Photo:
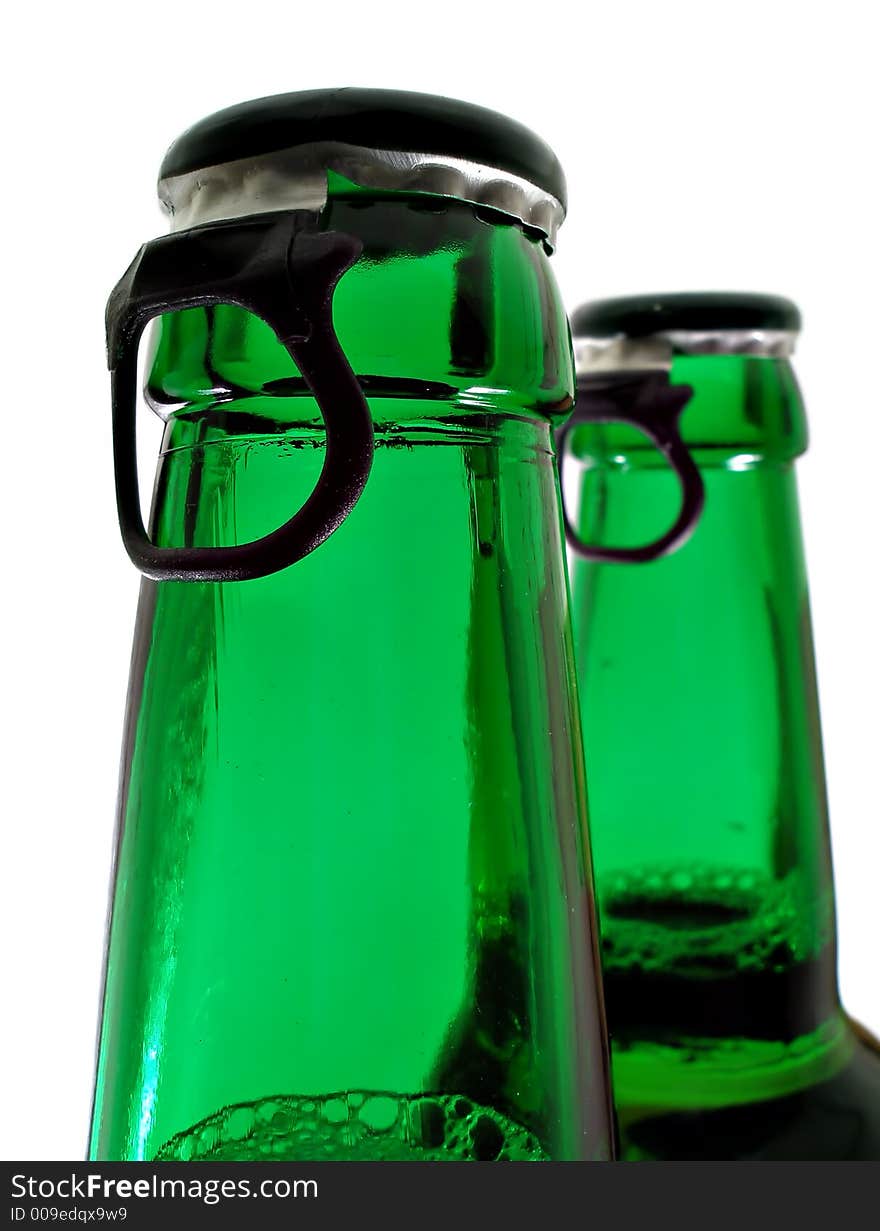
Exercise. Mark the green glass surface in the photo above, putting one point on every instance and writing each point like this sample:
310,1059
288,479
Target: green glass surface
352,914
707,794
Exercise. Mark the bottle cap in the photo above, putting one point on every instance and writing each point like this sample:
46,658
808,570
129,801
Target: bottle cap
647,331
274,153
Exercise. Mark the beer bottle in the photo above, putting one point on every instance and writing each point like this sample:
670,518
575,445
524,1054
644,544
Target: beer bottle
704,760
352,914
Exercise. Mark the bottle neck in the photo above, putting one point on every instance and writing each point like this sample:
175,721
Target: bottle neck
354,794
451,321
450,310
701,725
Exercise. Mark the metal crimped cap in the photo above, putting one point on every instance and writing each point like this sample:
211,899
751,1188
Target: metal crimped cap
273,153
642,316
644,331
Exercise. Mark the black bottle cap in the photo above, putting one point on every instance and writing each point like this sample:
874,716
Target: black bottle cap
641,316
372,119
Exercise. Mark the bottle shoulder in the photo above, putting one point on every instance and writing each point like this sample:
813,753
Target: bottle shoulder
835,1120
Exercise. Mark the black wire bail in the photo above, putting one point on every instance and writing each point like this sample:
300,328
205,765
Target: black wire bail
648,401
283,269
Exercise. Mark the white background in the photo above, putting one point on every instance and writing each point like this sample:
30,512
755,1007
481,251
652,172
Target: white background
706,146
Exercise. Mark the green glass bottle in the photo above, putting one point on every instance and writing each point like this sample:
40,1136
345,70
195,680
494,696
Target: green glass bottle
703,752
351,884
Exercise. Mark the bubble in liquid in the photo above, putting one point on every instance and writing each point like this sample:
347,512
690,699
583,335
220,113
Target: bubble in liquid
280,1121
336,1111
266,1110
487,1139
378,1113
731,919
360,1125
239,1123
